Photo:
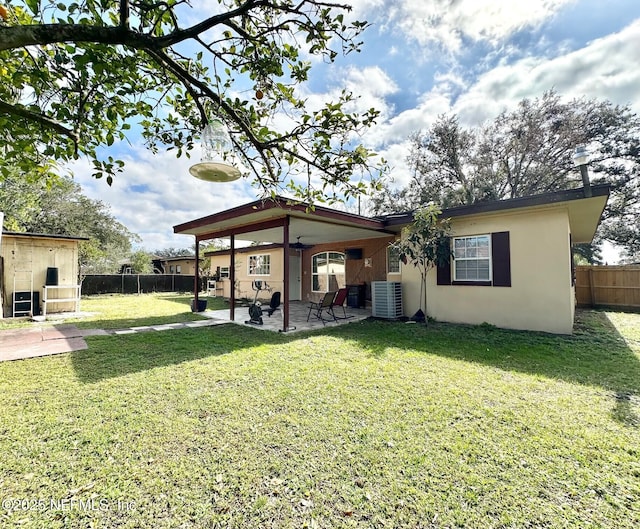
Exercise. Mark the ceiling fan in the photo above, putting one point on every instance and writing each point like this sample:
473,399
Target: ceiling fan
298,245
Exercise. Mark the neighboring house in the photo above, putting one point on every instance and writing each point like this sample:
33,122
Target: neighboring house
28,262
185,264
513,265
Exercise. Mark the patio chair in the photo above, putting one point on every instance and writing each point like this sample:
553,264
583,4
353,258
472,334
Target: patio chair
318,307
274,304
338,301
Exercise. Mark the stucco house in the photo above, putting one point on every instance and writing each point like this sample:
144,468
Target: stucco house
512,266
182,264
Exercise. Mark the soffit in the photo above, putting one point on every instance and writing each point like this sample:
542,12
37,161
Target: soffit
584,217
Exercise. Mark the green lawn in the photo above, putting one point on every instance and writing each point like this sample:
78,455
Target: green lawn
120,311
372,424
117,311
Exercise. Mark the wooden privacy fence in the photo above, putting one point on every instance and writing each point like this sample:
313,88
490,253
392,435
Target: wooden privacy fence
610,286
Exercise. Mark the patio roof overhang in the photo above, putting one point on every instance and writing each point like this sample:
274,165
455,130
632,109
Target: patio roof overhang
262,221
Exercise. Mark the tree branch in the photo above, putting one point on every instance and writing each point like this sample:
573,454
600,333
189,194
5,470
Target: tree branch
124,14
190,81
20,111
41,34
12,37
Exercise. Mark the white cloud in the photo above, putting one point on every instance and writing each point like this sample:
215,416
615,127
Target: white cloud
390,139
599,70
447,24
370,83
370,86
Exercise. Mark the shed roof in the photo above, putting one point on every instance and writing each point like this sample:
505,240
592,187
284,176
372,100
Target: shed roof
44,235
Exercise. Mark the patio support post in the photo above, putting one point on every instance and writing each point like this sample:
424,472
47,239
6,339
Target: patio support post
285,234
232,279
196,275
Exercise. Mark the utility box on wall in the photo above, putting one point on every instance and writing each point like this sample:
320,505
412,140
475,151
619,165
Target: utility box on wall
386,299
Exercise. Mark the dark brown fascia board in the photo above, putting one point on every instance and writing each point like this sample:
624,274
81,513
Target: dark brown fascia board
45,236
287,206
504,205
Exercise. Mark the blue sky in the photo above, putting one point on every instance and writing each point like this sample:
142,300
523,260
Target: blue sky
420,59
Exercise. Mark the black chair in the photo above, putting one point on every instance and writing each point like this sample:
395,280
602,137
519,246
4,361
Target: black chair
274,303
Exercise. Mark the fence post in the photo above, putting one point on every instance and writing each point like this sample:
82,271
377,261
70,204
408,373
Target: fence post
592,292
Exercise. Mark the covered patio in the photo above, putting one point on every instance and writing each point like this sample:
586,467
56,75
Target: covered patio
283,223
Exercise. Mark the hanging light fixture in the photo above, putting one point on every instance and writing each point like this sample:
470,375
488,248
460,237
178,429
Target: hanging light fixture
218,161
580,160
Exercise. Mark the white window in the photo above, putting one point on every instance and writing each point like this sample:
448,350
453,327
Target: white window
171,269
178,269
327,271
393,260
259,265
224,271
472,258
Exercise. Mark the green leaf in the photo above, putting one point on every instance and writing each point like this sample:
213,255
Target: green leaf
33,5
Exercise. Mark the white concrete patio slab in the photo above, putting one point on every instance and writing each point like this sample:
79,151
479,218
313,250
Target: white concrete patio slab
298,314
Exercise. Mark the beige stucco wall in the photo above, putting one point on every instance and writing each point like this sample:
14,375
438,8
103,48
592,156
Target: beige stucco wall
541,296
38,254
244,280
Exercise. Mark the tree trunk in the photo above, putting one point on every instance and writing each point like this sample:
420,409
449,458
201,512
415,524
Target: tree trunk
424,289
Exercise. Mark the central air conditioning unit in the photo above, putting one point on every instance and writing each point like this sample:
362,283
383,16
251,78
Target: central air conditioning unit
386,297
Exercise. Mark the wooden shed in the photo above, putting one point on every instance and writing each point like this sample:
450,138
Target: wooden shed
39,274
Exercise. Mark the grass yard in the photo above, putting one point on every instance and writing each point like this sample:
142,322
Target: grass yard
372,424
119,311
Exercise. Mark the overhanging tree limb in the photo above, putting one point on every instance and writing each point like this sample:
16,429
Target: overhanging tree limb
22,112
110,65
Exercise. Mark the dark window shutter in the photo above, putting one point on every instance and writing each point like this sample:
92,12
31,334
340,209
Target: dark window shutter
444,271
501,259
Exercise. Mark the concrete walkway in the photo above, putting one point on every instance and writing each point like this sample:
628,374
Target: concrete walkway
50,340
